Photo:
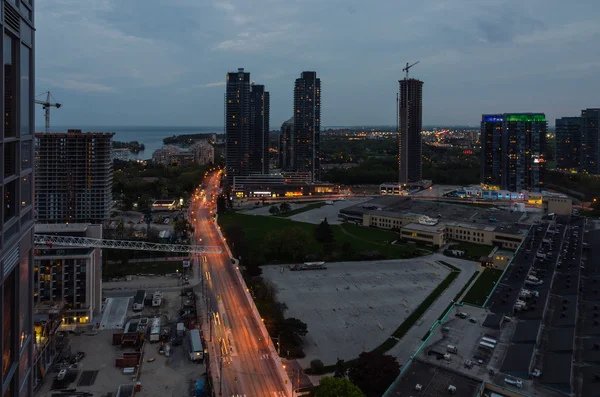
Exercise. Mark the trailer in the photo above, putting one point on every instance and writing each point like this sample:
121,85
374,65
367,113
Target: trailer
138,300
155,330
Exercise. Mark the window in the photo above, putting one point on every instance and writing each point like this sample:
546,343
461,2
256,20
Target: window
10,200
25,94
26,192
10,86
26,155
23,365
8,323
10,159
24,299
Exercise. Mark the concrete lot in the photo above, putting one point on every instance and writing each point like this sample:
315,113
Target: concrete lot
330,212
354,306
437,190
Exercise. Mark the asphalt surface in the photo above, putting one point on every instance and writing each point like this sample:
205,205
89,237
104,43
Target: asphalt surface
247,367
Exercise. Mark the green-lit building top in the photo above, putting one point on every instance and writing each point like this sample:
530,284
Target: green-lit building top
525,117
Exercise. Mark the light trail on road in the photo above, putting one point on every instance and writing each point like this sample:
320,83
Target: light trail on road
248,370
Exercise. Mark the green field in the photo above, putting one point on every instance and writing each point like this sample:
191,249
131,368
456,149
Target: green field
351,242
482,287
302,209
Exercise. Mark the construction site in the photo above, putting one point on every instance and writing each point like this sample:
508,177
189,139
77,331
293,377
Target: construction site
146,343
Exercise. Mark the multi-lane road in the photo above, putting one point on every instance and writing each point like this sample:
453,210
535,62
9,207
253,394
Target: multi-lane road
248,368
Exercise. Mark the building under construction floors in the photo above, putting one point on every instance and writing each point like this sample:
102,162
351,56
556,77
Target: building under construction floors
73,177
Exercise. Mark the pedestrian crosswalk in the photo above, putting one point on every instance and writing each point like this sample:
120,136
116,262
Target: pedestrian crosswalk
265,356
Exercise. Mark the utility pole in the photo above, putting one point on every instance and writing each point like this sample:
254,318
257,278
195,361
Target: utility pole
221,374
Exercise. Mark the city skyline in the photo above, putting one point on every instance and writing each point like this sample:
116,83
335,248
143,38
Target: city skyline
485,48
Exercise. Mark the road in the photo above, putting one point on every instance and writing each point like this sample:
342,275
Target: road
248,367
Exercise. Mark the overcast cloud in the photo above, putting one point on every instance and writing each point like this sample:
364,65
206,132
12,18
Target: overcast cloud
163,62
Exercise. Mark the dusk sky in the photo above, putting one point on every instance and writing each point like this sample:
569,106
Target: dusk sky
163,62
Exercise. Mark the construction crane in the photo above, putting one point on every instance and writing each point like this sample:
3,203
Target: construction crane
47,105
48,241
408,67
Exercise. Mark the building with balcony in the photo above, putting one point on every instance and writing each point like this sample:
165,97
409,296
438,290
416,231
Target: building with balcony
69,276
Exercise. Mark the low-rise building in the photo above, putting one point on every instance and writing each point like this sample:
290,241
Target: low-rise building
436,223
69,276
285,184
203,152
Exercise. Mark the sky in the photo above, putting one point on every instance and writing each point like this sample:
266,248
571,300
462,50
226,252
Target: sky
164,62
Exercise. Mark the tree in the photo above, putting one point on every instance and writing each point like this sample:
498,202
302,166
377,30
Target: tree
274,210
323,232
181,227
317,367
284,207
374,372
340,369
336,387
221,205
293,326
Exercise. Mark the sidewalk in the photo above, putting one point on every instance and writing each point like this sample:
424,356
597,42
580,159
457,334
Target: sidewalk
412,340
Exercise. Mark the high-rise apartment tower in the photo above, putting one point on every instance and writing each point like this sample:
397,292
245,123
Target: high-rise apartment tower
246,126
259,130
513,155
286,138
591,141
491,149
410,121
307,125
74,174
16,213
568,151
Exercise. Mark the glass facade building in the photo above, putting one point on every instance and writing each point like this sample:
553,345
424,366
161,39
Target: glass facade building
513,147
16,186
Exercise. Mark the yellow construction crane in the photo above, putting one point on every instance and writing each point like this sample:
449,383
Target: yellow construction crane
47,105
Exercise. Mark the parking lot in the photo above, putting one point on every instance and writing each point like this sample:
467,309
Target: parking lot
354,306
327,211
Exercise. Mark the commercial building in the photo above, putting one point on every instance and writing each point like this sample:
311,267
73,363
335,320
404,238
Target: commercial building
70,276
513,156
73,177
285,184
591,141
410,119
246,126
16,186
568,149
286,139
306,152
259,129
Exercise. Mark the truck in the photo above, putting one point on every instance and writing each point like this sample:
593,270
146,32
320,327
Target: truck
138,300
157,299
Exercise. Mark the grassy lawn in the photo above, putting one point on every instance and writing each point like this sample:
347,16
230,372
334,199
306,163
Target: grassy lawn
356,240
482,287
301,210
473,251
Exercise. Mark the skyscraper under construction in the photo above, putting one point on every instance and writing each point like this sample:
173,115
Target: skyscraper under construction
410,121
